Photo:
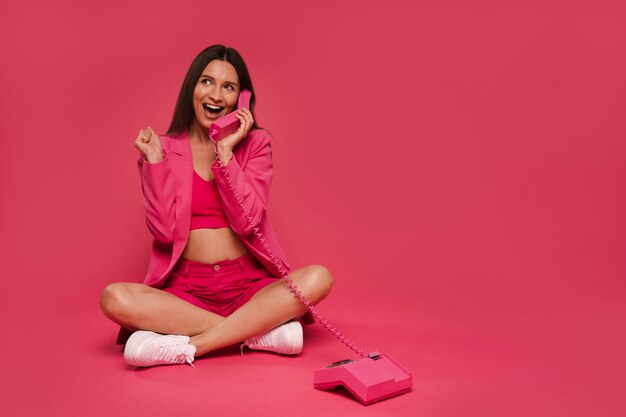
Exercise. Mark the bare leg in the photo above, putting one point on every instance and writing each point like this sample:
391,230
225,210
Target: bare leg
139,306
270,307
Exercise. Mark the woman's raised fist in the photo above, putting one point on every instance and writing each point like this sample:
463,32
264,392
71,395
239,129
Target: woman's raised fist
149,144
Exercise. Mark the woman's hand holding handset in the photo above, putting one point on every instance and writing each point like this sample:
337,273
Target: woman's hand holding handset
149,144
225,146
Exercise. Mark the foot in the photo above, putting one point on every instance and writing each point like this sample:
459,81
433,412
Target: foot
145,348
285,339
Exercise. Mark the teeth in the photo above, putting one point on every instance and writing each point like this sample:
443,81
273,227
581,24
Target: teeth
213,107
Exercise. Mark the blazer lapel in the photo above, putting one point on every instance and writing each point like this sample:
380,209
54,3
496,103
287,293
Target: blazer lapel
181,164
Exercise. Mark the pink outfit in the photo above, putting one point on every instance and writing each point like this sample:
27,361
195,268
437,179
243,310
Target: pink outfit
167,189
221,287
206,205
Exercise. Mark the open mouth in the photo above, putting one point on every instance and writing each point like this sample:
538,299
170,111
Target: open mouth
209,108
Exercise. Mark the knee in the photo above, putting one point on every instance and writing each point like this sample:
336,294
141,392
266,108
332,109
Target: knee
115,301
321,281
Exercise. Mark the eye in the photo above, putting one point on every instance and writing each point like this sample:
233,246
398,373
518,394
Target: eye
205,81
230,86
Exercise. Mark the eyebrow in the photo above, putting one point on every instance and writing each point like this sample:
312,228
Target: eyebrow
211,78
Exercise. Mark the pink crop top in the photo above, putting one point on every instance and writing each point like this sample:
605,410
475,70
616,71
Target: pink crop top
206,205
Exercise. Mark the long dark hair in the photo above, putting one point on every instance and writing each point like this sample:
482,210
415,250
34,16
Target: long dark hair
183,112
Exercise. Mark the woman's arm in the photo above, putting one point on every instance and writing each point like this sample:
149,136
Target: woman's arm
245,193
157,185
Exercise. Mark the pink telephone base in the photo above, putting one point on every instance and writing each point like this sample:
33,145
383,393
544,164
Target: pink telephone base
372,378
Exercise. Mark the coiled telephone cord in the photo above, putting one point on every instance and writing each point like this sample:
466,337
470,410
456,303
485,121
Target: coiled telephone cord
292,286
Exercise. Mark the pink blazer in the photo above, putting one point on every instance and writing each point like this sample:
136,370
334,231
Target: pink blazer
244,187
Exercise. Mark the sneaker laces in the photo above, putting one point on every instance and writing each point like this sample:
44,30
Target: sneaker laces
259,342
271,339
172,350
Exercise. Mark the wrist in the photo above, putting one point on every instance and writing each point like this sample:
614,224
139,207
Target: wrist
225,156
222,148
154,157
224,153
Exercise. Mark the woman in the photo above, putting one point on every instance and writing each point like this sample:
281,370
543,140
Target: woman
213,278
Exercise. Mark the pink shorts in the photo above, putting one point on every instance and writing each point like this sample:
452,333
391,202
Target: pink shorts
220,288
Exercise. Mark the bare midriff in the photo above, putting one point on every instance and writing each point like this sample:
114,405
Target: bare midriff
213,245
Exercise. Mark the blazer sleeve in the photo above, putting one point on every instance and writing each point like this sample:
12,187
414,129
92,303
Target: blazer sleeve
245,192
159,198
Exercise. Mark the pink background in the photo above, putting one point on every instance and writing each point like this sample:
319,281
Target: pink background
458,166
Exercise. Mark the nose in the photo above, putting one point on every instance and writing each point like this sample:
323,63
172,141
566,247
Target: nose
215,94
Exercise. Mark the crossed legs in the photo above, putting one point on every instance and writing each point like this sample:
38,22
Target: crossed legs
138,306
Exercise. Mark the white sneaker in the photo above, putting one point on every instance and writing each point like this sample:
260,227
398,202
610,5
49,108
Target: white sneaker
285,339
145,348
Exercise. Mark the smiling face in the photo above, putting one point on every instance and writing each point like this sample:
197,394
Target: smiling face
216,92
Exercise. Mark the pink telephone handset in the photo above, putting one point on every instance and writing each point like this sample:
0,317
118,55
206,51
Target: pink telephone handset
229,124
371,378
